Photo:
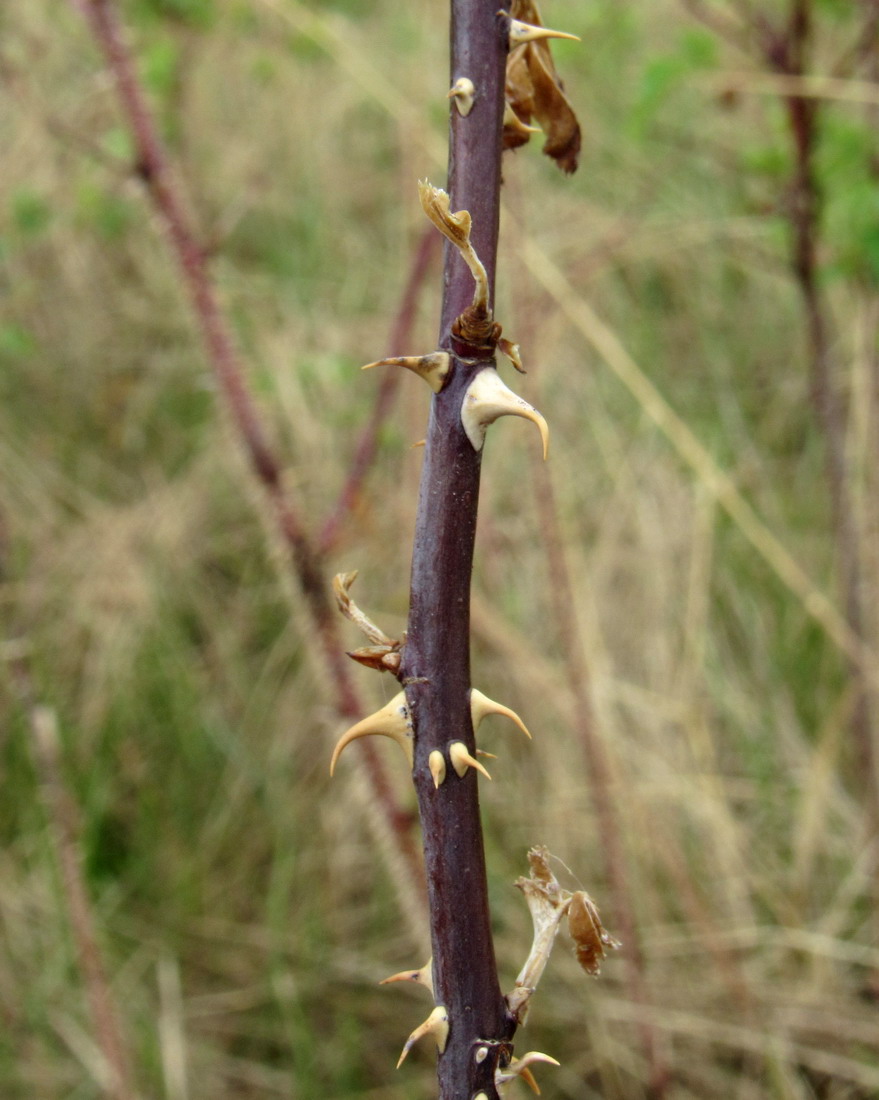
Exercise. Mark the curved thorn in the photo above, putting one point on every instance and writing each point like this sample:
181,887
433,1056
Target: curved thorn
463,92
518,1067
433,368
437,764
437,1025
481,706
391,721
487,399
513,122
486,755
424,976
528,32
462,760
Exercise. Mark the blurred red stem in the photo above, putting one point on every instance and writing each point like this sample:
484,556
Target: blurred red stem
367,446
154,169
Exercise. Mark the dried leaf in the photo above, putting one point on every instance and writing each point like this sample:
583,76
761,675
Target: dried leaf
591,940
534,91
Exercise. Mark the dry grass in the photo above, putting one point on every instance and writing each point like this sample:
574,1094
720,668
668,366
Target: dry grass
244,911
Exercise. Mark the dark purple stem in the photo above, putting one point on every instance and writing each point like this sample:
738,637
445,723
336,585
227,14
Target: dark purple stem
436,658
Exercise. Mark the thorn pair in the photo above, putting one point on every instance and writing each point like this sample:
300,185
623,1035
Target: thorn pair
480,707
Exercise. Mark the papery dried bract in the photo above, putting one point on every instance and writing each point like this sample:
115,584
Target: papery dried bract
591,940
534,91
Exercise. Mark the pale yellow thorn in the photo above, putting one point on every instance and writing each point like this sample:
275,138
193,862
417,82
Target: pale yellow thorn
391,721
512,120
527,32
463,92
487,399
462,760
486,755
424,976
481,706
437,764
437,1025
518,1067
433,368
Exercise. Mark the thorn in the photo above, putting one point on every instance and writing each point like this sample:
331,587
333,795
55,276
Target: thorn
528,32
424,976
437,1025
513,122
481,706
518,1067
530,1080
420,443
512,352
488,398
463,92
437,764
486,755
391,721
433,368
462,760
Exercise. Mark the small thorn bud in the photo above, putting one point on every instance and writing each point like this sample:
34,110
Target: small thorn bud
391,721
437,1025
463,92
424,976
433,368
512,352
481,706
487,399
481,1054
437,764
462,760
529,32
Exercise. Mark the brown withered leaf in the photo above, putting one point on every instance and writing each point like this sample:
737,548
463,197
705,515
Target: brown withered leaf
534,91
591,941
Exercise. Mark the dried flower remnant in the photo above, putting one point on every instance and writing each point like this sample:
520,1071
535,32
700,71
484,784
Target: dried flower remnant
549,903
534,91
591,941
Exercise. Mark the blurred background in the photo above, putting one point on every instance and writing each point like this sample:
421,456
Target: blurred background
680,604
